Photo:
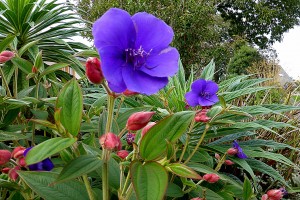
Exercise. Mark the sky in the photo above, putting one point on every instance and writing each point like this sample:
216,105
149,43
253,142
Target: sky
289,52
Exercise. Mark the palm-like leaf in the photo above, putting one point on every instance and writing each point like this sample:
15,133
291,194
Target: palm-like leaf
49,26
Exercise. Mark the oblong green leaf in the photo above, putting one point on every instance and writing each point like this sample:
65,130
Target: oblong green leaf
182,170
70,101
53,68
4,43
150,180
47,149
78,167
154,143
22,64
40,182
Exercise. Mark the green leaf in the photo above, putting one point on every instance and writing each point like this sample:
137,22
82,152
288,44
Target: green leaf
174,190
78,167
22,64
208,71
4,43
9,136
40,182
182,170
150,180
87,53
247,189
24,48
53,68
70,101
154,143
47,149
113,173
38,63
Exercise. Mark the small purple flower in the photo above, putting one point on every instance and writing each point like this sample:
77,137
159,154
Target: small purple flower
45,165
134,51
202,93
130,138
240,152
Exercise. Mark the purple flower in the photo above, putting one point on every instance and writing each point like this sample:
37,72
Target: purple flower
45,165
135,51
240,152
202,93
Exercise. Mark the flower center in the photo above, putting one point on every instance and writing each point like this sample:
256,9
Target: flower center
205,94
136,57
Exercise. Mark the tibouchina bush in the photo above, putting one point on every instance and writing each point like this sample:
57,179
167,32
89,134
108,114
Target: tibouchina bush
141,130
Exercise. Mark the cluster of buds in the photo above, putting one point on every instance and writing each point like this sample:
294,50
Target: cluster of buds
274,194
201,115
19,154
211,178
6,56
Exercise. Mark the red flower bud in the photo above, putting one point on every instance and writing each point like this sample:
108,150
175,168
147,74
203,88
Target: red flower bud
201,116
21,162
94,71
122,154
147,127
5,156
275,194
217,156
138,120
264,197
228,162
211,178
110,141
6,56
34,70
5,170
13,173
18,152
232,151
129,93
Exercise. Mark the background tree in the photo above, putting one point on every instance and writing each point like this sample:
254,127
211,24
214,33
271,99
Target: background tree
262,22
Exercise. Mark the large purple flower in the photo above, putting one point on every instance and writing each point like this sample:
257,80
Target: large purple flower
202,93
135,51
45,165
240,152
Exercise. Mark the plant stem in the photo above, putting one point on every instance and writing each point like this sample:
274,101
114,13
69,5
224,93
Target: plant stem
187,139
198,144
5,83
88,187
15,89
106,153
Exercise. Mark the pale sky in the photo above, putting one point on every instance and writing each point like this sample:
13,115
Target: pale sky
289,52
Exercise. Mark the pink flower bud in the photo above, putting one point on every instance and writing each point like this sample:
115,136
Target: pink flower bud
110,141
197,198
122,154
147,127
5,170
18,152
264,197
138,120
6,56
228,162
232,151
5,156
217,156
21,162
129,93
13,173
201,116
275,194
94,71
34,70
211,178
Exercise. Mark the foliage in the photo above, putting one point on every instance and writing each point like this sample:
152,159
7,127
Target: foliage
261,22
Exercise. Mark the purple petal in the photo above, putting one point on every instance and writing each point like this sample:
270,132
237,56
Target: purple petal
112,62
47,164
241,155
235,144
198,86
214,98
192,98
205,102
115,27
152,33
211,87
163,64
26,151
138,81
